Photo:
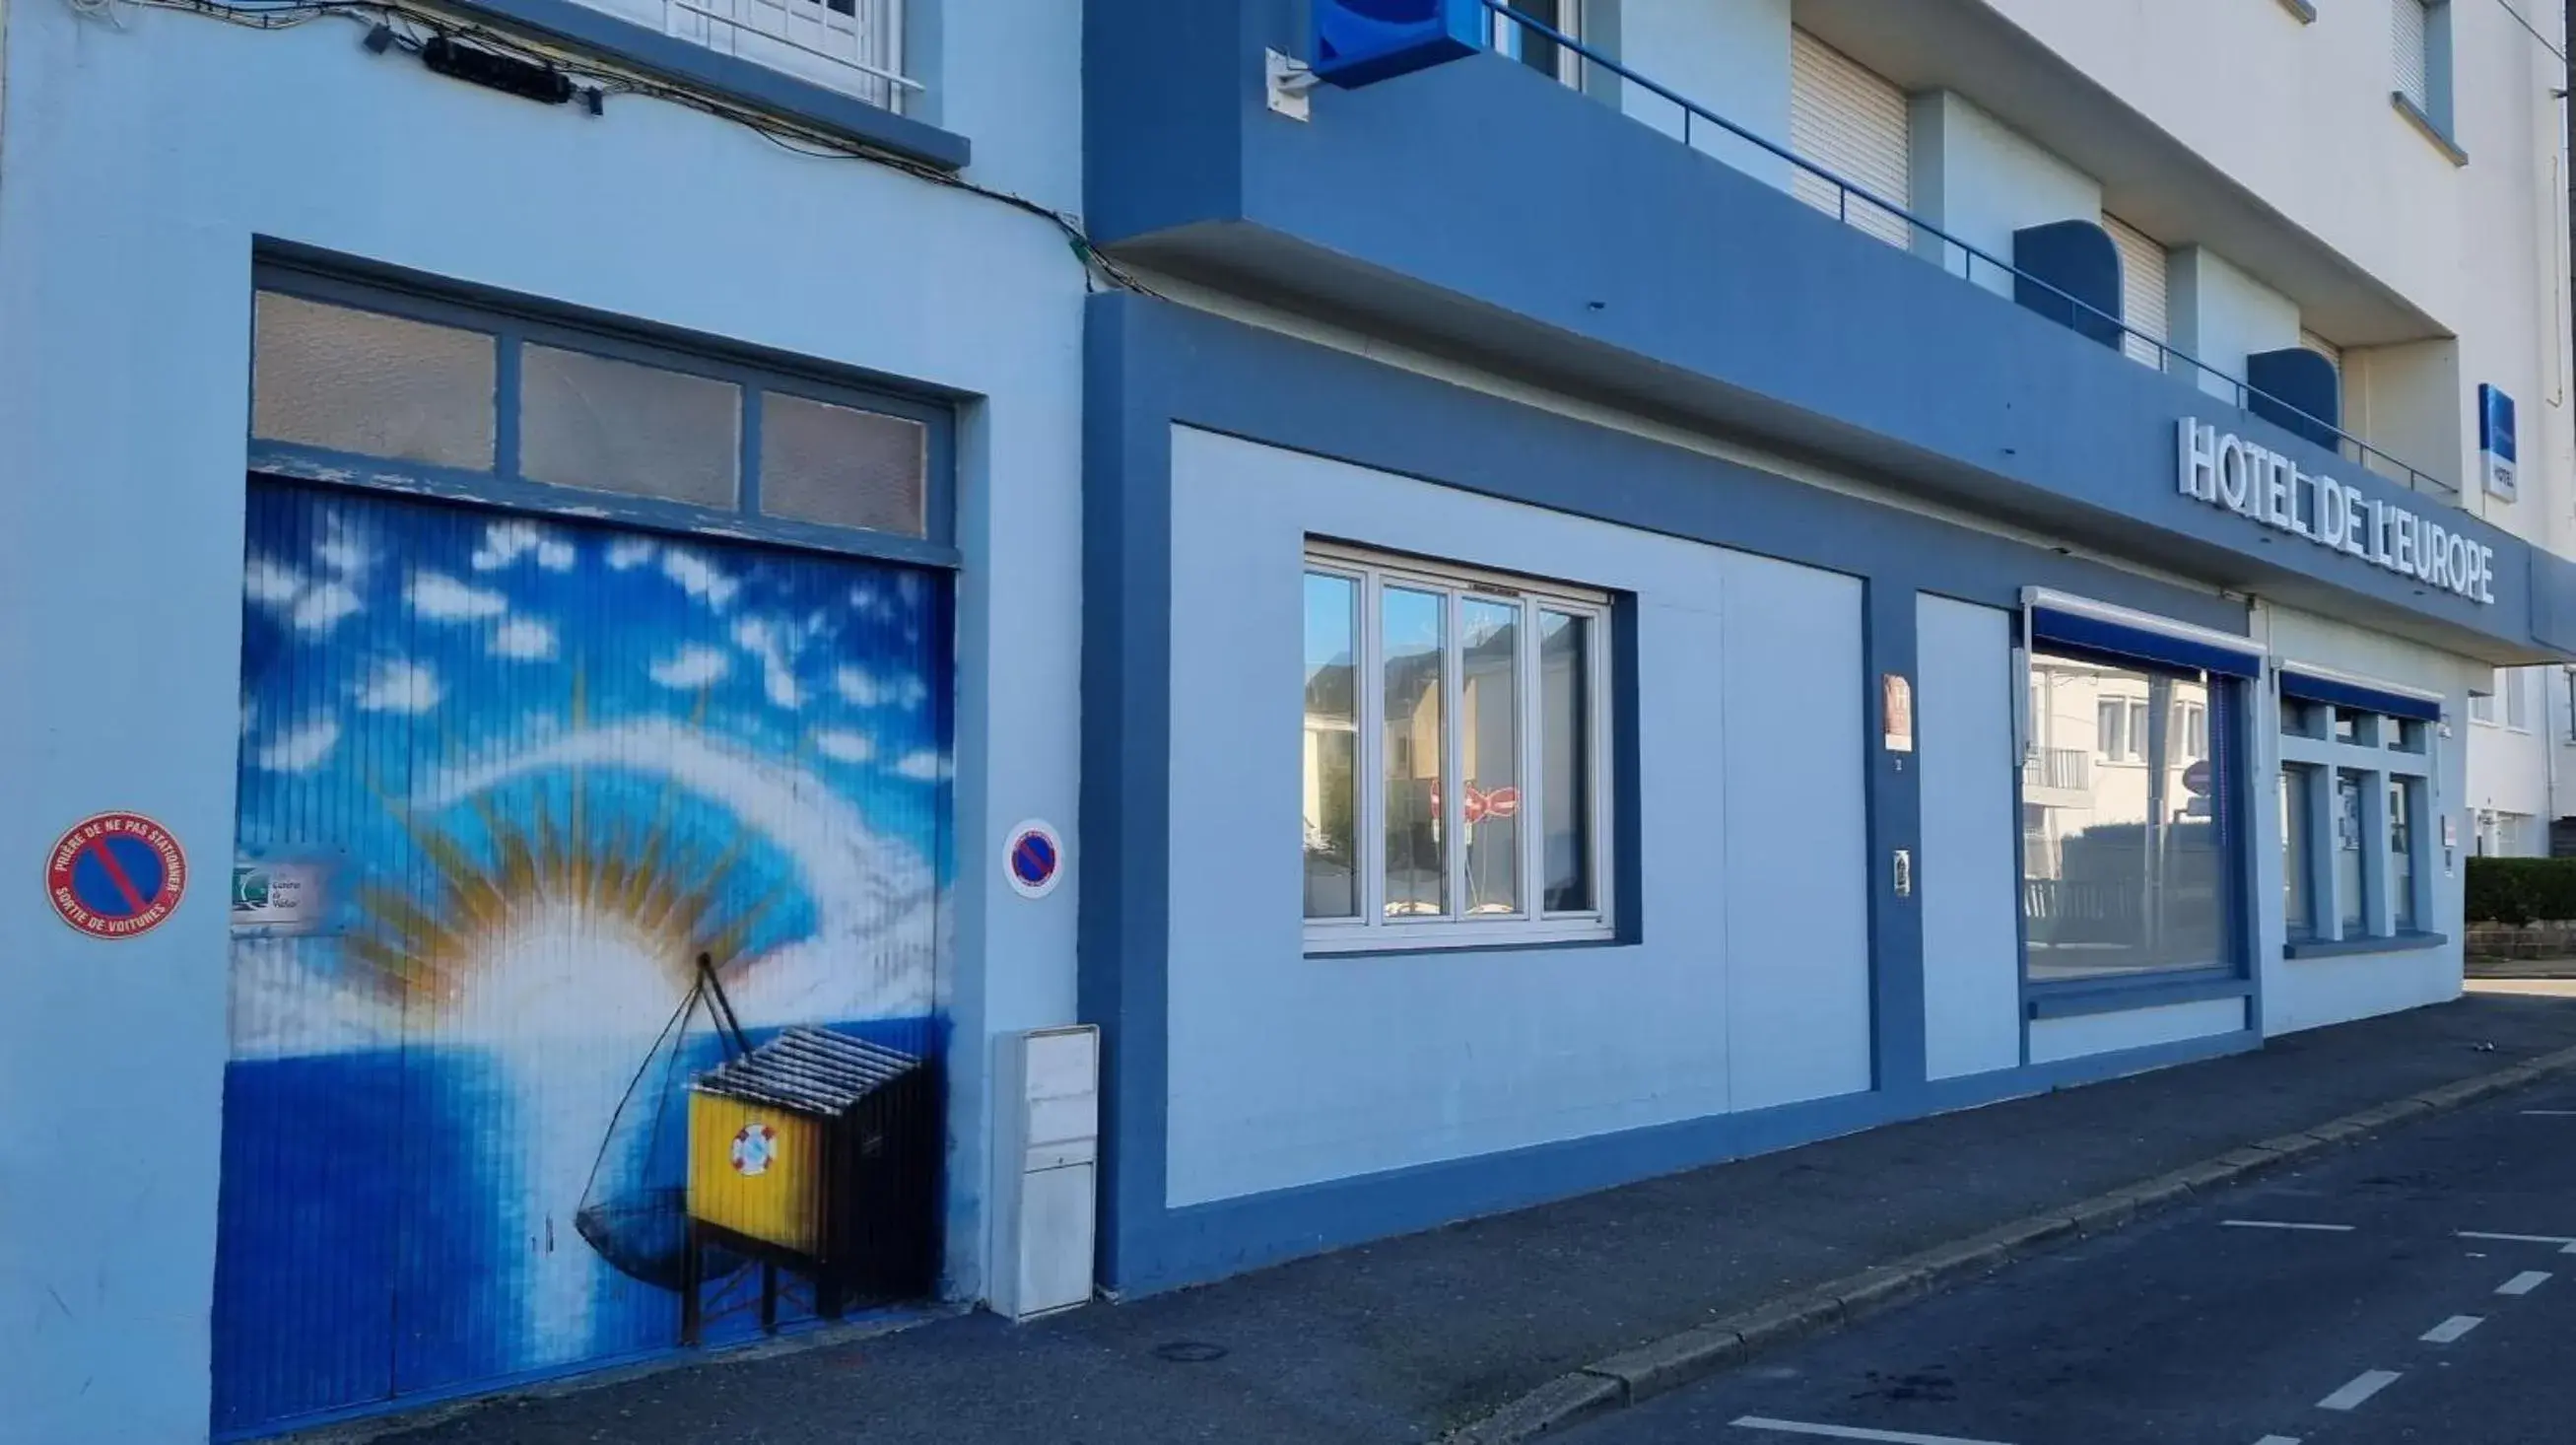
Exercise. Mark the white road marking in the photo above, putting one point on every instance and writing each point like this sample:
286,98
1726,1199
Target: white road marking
1852,1432
2451,1329
2361,1387
2551,1113
2278,1440
2525,1282
2285,1224
2516,1238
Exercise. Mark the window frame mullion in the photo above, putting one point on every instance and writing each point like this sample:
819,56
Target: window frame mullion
1453,760
1371,852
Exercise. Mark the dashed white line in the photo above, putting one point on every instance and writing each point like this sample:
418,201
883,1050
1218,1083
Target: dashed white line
2359,1388
2278,1440
2563,1239
2451,1329
2285,1224
1851,1432
2551,1113
2525,1282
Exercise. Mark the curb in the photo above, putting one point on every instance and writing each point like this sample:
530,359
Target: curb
1646,1370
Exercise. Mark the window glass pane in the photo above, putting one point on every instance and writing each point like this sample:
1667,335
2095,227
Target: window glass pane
2403,735
2348,853
1413,628
1565,745
2132,879
1332,747
2517,698
2401,854
2347,725
2296,717
1489,637
379,386
616,426
2111,721
2296,784
842,466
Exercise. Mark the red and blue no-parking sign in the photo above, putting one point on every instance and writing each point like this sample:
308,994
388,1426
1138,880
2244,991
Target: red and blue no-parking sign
1033,859
116,875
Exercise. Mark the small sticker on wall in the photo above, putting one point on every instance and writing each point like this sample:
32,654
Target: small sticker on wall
1033,859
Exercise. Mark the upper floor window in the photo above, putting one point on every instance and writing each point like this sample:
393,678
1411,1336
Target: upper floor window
1541,52
2143,297
2420,49
852,46
1852,122
1455,729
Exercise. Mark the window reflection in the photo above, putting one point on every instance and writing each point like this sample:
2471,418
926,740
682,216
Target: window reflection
2121,865
1490,705
1332,747
1414,636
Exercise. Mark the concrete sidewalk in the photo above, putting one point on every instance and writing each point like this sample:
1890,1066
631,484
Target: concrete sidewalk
1407,1339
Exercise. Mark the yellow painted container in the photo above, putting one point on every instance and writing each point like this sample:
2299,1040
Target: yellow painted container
757,1170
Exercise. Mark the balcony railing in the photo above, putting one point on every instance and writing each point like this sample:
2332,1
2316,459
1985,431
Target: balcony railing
2067,768
1860,207
852,46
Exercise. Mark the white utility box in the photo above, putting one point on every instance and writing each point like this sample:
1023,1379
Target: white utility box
1046,1168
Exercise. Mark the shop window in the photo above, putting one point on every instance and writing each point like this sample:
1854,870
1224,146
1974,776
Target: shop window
1454,741
2354,800
2135,878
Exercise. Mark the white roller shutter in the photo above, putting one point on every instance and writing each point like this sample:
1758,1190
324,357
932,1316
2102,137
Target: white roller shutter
2322,347
1852,122
2409,29
2142,288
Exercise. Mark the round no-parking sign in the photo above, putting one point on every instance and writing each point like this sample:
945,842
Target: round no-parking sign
1033,859
116,875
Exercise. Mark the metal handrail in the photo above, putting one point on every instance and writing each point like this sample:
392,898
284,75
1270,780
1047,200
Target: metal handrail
2350,447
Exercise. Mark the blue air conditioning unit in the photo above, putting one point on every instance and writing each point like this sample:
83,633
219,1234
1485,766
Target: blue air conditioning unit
1361,42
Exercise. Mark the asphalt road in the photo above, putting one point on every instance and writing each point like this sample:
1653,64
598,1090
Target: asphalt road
2352,1303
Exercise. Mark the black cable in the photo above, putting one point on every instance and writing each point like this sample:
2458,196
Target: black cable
2533,31
285,14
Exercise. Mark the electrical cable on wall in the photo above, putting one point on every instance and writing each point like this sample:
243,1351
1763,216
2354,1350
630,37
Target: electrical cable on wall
395,26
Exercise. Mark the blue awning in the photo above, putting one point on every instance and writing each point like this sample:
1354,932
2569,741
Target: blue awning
2309,687
2120,639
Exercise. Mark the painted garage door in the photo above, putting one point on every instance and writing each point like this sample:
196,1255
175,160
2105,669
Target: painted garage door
502,780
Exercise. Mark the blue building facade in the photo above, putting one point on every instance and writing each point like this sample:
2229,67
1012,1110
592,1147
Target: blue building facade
1561,636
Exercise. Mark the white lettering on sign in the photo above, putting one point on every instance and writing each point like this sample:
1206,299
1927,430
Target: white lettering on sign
2256,482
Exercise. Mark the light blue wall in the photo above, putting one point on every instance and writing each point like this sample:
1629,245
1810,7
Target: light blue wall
1751,988
1980,180
1969,874
142,166
1732,57
2219,314
2052,1040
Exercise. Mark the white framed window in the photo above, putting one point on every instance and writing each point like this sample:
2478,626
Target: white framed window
2120,729
1456,741
2355,794
852,46
2482,706
1541,52
2517,699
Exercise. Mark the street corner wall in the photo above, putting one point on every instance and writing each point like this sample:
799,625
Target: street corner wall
2302,993
1750,984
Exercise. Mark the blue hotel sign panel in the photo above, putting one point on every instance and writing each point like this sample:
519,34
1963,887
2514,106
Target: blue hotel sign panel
2254,481
1359,42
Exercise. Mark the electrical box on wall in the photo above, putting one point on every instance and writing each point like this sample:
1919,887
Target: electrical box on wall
1046,1166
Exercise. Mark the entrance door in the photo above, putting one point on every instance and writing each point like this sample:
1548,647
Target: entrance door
502,781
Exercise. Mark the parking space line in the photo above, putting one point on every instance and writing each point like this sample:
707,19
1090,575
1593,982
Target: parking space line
2451,1329
2285,1224
2560,1239
2525,1282
2359,1388
1851,1432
